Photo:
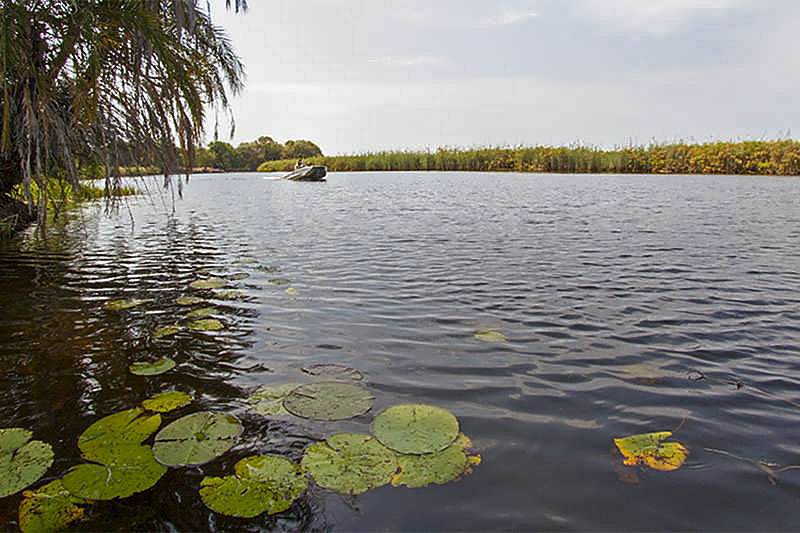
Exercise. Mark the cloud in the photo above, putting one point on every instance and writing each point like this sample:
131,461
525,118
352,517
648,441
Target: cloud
510,17
413,61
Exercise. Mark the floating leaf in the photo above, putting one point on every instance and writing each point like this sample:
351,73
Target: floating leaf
123,305
132,426
22,460
490,335
262,484
435,468
280,281
350,463
291,291
268,269
268,400
165,402
166,331
229,294
206,324
245,261
328,401
144,368
196,439
414,428
124,470
189,300
49,508
334,371
210,283
652,450
203,312
239,276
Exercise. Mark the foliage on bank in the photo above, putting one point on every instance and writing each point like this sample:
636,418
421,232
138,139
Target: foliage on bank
780,158
248,155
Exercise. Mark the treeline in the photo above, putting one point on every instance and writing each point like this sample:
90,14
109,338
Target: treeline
750,157
249,155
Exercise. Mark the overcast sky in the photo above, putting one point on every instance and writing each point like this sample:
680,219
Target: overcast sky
358,75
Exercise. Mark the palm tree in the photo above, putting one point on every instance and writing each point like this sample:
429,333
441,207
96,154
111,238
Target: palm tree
107,83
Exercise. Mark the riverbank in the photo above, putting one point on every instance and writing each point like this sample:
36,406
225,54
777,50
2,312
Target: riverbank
778,158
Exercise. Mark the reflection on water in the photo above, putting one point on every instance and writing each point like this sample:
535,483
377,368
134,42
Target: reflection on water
630,304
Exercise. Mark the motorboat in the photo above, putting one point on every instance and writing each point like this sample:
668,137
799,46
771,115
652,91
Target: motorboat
308,173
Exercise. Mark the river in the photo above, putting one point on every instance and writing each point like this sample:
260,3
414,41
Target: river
630,304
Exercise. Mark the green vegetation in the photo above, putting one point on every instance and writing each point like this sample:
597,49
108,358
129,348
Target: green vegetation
249,155
780,158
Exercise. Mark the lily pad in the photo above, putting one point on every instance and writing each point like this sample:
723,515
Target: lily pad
124,305
189,300
196,439
49,508
165,402
203,312
280,281
436,468
124,470
268,269
334,372
415,428
490,335
229,294
206,324
349,463
291,291
210,283
268,400
651,449
328,401
144,368
130,427
166,331
22,460
262,484
238,276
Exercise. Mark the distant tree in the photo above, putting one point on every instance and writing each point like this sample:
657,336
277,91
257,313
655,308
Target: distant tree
225,156
250,155
300,149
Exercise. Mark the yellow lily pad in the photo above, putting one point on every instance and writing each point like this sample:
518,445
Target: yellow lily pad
490,335
651,449
210,283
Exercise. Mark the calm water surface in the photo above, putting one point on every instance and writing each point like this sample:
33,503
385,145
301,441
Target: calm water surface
616,293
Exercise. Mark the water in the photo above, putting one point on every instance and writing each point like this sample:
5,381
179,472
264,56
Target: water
616,293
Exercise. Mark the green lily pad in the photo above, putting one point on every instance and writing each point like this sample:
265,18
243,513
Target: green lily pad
210,283
124,305
165,402
124,470
166,331
349,463
415,428
328,401
334,372
280,281
291,291
229,294
262,484
130,427
22,460
436,468
268,400
204,312
189,300
245,261
196,439
49,508
144,368
653,450
490,335
268,269
206,324
238,276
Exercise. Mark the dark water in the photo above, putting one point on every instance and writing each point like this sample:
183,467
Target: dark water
614,292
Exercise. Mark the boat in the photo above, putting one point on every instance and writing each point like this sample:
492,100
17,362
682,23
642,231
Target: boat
309,173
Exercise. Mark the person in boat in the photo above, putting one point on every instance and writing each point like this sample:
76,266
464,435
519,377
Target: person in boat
299,164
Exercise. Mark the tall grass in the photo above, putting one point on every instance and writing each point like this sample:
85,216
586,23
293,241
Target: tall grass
781,158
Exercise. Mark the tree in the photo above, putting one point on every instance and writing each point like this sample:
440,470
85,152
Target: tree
300,149
105,82
225,156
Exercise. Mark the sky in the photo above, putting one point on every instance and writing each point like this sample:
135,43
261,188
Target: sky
368,75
